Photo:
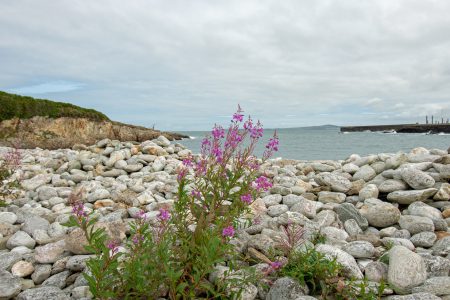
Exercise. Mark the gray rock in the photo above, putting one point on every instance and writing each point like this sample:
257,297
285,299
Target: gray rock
408,197
416,224
8,259
392,241
286,288
437,286
443,194
418,296
440,224
291,200
20,238
423,239
306,207
365,173
276,210
417,179
376,271
436,265
392,185
352,228
359,249
98,194
381,214
369,191
336,182
81,292
347,261
77,262
58,280
8,217
334,234
33,222
41,272
424,210
331,197
442,247
49,253
46,192
347,211
406,270
10,286
43,293
262,243
35,182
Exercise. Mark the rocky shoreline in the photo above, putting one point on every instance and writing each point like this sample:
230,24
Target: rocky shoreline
384,217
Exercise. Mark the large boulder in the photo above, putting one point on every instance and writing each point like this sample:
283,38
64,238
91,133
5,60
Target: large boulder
406,270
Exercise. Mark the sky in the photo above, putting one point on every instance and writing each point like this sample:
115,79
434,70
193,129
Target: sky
185,65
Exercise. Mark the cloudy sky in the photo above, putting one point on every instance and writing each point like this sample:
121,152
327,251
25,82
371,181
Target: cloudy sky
184,65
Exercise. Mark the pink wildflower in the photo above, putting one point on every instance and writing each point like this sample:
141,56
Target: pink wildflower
218,132
113,246
262,183
164,214
228,231
247,198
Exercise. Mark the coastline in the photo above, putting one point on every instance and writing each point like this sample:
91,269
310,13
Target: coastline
364,206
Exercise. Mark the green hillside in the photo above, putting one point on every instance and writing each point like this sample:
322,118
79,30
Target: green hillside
16,106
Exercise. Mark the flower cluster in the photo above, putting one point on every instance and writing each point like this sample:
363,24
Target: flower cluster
262,183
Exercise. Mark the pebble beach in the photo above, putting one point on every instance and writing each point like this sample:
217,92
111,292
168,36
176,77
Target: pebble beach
384,217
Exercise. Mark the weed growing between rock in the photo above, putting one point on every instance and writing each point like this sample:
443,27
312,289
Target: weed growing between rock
175,255
10,182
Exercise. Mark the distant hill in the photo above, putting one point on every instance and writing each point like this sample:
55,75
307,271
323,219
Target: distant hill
22,107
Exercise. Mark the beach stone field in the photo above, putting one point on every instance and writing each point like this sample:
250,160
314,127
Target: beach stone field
384,217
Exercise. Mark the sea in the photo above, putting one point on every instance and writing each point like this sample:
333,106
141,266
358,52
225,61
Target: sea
328,143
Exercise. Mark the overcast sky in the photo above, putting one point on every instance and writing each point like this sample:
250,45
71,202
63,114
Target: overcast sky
185,65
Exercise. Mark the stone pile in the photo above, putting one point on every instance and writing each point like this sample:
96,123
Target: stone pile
384,217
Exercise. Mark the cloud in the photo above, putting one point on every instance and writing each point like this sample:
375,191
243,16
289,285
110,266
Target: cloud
47,88
180,64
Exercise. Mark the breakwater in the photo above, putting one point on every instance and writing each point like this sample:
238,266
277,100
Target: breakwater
401,128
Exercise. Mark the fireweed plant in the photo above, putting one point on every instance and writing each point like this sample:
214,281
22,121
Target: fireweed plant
9,164
174,255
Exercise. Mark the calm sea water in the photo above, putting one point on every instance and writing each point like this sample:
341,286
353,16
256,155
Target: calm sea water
328,143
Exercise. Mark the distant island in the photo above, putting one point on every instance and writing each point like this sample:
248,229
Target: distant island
52,125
